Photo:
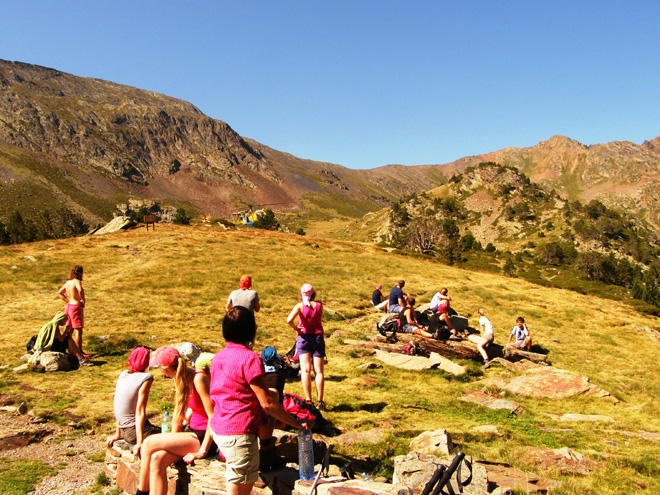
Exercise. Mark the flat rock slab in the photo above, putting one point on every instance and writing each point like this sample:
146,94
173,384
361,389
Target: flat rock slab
518,366
596,418
507,477
486,400
564,460
646,435
513,354
374,435
115,225
417,363
338,485
551,383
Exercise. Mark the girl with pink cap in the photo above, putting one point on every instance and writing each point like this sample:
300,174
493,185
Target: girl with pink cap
130,401
310,342
195,442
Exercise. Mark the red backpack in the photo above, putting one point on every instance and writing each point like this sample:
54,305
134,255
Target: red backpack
303,411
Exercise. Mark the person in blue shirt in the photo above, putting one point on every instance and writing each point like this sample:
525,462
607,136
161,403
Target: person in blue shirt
523,340
397,301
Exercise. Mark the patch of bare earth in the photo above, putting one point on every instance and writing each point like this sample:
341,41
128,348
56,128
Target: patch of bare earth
64,448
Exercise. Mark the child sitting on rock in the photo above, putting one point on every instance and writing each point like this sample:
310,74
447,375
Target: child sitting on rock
521,333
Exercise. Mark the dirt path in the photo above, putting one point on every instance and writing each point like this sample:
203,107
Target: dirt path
64,448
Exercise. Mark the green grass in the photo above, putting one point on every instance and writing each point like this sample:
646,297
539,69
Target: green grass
19,476
172,285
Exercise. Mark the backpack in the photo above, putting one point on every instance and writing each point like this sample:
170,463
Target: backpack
303,411
30,344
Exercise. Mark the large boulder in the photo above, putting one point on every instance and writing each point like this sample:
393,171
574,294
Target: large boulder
115,225
55,361
414,470
433,442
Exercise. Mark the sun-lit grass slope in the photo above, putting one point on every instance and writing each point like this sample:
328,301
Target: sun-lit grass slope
172,284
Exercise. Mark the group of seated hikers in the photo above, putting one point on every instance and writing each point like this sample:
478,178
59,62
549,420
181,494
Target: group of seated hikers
226,403
440,326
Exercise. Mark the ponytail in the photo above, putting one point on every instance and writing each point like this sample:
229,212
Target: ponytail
182,387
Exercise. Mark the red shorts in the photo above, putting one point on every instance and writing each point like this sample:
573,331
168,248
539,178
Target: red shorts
75,314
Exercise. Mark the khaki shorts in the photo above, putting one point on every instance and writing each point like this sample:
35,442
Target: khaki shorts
242,454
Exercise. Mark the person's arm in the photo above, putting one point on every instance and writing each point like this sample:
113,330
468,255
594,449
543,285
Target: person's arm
292,316
272,406
141,414
203,386
62,294
111,440
229,304
526,331
257,307
82,296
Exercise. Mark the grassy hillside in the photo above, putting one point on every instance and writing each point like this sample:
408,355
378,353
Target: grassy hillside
172,284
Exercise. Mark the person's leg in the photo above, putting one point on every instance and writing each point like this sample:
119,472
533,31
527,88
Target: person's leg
528,343
319,377
160,461
445,317
73,348
423,333
239,489
77,338
481,342
177,444
306,374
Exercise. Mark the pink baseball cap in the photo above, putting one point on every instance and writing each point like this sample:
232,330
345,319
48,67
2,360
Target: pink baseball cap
379,286
139,359
166,356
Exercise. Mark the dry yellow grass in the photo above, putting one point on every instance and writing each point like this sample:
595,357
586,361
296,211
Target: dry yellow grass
172,284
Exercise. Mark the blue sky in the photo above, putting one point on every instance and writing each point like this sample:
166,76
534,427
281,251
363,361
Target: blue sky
369,83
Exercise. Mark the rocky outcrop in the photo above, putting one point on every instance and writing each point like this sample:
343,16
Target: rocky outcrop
128,133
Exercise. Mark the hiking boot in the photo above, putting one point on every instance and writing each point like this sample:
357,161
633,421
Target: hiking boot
487,364
321,406
85,362
455,338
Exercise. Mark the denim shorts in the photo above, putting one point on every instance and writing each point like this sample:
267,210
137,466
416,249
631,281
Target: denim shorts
311,342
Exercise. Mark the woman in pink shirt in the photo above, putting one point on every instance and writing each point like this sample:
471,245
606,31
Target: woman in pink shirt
310,342
244,408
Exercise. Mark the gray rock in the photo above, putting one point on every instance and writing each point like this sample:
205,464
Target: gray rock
115,225
433,442
54,361
369,366
491,402
414,470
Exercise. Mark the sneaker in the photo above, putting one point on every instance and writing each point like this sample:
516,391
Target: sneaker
321,406
84,361
455,338
487,364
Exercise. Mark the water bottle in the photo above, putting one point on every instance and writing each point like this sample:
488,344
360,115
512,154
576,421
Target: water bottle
366,477
305,454
166,425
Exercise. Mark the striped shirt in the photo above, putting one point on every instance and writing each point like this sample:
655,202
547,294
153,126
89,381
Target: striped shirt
236,408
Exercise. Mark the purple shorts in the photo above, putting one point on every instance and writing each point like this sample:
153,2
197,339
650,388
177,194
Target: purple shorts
311,342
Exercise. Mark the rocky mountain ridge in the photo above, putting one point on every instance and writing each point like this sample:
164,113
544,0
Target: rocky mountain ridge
91,144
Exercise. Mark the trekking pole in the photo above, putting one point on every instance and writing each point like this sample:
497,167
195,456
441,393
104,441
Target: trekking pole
455,464
324,467
434,479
